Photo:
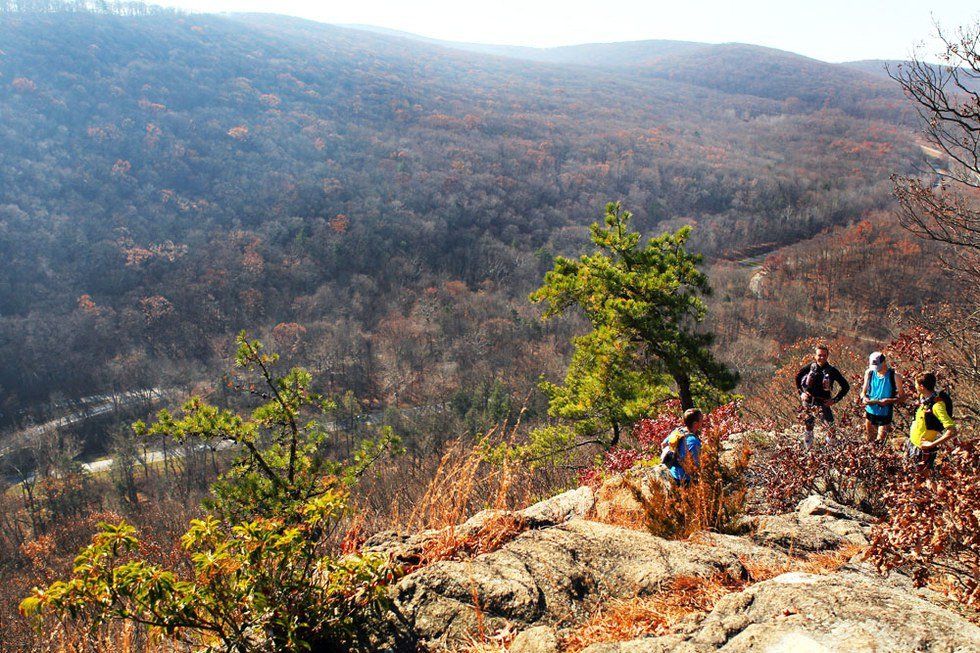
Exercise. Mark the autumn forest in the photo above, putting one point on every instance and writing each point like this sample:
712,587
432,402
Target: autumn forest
390,215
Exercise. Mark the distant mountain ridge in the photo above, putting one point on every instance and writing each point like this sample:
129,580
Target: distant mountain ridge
623,53
727,67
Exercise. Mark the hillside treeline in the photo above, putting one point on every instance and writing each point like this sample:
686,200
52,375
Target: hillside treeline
169,180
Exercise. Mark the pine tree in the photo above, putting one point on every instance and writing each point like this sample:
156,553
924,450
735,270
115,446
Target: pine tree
645,304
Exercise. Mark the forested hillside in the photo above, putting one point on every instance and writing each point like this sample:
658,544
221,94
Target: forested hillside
380,205
308,332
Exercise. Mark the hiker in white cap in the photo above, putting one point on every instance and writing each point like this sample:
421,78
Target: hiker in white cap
881,391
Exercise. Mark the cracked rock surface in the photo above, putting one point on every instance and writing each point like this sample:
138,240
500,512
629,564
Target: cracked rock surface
807,613
558,571
558,575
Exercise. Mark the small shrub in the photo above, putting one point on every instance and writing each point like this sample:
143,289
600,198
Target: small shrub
849,470
258,570
267,582
933,524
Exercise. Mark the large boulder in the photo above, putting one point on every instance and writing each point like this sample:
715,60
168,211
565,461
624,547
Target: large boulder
560,508
624,498
818,524
556,574
845,612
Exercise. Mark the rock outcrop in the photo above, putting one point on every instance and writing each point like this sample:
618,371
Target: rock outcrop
818,524
807,613
561,566
558,575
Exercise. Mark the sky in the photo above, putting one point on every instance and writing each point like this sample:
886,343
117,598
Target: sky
831,30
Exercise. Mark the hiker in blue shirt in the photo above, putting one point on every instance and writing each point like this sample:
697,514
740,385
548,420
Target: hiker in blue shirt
682,448
881,391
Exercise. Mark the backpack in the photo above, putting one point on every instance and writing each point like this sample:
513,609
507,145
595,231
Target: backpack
932,422
669,446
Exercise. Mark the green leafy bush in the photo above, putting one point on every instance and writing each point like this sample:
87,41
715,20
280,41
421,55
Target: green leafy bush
259,572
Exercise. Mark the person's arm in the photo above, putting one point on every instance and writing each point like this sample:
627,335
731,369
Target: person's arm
845,387
799,377
949,426
865,388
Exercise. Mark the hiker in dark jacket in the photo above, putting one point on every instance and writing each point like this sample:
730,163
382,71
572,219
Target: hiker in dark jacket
815,382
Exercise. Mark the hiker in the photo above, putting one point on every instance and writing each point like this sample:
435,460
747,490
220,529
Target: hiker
815,383
933,424
681,449
882,389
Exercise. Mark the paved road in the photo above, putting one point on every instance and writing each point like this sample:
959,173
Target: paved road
92,407
105,464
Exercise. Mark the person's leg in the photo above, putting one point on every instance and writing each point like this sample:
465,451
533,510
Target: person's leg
869,427
884,432
807,415
808,428
827,417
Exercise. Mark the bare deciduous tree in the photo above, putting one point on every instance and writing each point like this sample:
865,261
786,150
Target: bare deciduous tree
945,206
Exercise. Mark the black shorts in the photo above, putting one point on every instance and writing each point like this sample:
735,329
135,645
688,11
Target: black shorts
924,458
879,420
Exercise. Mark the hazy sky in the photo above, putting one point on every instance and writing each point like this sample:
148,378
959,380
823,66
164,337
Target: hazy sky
832,30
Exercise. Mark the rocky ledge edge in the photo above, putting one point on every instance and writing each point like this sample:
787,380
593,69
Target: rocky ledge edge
563,565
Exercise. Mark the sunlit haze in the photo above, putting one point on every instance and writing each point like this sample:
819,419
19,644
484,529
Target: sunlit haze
834,30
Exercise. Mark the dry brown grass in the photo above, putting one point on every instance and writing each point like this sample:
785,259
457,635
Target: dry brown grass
622,620
416,493
117,637
826,562
456,544
830,561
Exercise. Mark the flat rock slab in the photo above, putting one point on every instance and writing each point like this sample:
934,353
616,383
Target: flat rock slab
803,613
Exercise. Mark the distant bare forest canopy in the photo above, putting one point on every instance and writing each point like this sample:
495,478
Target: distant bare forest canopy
380,206
110,7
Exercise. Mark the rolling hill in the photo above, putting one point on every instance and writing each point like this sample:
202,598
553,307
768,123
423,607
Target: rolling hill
166,180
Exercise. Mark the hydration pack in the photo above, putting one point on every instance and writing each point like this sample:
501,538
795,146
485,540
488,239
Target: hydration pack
932,422
816,379
669,446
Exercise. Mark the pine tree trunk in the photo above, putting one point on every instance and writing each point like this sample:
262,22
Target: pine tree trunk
683,382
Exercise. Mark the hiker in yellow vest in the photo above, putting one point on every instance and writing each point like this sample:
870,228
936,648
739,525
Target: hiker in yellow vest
933,425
